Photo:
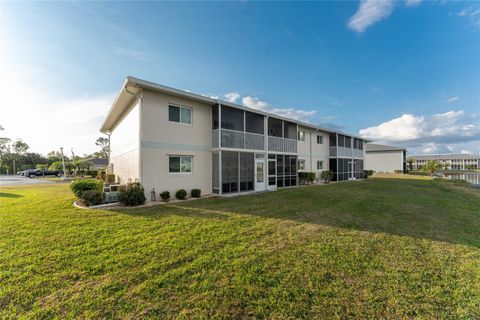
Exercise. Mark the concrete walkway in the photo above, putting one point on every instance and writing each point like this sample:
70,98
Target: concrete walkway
12,180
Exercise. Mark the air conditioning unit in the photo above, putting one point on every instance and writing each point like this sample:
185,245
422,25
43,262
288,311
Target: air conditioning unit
111,197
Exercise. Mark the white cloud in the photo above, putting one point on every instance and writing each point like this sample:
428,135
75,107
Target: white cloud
45,118
465,151
435,148
413,3
438,133
232,97
453,99
133,54
369,12
473,14
255,103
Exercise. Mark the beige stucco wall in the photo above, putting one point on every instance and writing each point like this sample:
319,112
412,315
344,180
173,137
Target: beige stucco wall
125,146
384,161
161,138
319,151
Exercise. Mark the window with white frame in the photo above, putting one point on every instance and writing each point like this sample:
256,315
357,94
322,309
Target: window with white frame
301,164
319,139
180,114
180,164
301,135
320,165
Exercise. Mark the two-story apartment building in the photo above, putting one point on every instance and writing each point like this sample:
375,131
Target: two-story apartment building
170,139
449,161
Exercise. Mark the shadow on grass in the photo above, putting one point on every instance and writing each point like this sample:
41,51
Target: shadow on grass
9,195
432,210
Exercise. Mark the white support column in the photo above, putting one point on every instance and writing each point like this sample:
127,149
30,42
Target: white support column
220,184
265,127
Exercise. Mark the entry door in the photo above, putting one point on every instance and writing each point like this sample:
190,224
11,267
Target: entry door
259,174
272,174
351,170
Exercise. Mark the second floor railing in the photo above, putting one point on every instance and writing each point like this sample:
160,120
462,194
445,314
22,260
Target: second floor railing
278,144
238,139
344,152
251,141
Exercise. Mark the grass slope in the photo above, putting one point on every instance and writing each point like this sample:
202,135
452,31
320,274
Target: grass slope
372,249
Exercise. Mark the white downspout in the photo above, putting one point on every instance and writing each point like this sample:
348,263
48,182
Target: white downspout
311,153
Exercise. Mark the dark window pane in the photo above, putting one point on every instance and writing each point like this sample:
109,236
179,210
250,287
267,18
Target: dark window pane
290,130
174,164
173,113
333,140
341,140
274,127
348,142
215,117
232,118
271,181
271,168
254,123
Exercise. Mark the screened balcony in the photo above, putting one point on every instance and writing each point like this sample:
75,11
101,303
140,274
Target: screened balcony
282,136
237,129
238,139
342,146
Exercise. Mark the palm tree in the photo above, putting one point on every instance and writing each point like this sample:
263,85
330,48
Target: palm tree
410,162
431,167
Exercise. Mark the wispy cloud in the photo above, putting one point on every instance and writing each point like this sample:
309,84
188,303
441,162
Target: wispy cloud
232,97
472,13
413,3
453,99
132,54
370,12
293,113
439,132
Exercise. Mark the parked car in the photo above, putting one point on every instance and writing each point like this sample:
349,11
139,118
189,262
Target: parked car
32,173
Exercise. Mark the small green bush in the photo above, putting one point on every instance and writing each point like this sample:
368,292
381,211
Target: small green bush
326,176
398,171
367,173
165,195
81,185
306,177
131,194
181,194
92,173
196,193
91,198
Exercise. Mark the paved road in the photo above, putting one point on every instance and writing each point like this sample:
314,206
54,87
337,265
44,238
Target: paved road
16,180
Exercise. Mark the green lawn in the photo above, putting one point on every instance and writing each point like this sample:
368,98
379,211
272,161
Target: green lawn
382,248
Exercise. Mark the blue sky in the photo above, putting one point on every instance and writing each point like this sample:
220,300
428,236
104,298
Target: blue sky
402,73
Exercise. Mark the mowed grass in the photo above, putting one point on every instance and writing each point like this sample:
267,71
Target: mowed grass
381,248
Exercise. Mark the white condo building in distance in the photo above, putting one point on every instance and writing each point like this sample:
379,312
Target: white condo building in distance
385,159
451,161
169,139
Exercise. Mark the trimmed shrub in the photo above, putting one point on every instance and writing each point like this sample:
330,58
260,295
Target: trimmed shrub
91,173
195,193
398,171
165,195
131,194
81,185
326,176
91,198
306,177
367,173
181,194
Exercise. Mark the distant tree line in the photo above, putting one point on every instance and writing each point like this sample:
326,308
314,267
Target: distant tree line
16,155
